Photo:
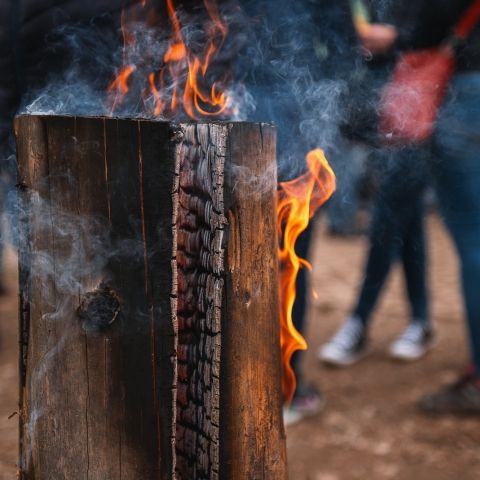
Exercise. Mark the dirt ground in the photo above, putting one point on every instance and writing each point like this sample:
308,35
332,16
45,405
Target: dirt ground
370,428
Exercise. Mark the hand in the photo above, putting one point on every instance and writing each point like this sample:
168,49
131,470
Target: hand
377,38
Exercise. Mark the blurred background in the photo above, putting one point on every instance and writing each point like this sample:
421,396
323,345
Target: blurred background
316,68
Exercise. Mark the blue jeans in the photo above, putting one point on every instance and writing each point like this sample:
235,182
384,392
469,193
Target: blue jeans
396,232
456,171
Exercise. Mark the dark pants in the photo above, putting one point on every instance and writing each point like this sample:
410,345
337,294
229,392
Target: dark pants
397,233
300,305
457,175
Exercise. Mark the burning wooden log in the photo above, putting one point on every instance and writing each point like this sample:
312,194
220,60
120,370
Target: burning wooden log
149,300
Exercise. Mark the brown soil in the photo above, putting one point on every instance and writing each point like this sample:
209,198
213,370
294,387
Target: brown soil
9,371
370,428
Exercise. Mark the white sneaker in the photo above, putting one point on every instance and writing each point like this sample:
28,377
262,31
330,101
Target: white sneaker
347,346
413,343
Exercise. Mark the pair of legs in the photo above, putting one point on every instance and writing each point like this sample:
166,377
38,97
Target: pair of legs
455,166
396,233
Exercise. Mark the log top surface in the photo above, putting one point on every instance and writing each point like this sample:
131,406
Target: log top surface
144,119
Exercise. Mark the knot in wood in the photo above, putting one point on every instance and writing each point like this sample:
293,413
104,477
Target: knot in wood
98,309
21,186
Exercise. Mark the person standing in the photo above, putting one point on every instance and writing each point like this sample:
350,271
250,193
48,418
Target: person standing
396,231
456,173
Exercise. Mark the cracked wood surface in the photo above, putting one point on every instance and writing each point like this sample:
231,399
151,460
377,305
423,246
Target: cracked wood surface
178,221
201,228
97,207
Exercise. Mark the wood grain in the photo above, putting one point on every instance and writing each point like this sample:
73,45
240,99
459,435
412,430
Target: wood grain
149,303
251,427
92,402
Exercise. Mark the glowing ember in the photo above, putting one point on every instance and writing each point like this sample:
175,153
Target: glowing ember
182,84
297,201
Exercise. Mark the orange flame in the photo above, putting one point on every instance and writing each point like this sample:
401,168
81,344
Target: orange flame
119,86
297,201
182,82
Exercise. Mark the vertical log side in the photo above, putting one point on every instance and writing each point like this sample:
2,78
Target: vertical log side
251,427
160,177
34,184
92,403
201,227
175,226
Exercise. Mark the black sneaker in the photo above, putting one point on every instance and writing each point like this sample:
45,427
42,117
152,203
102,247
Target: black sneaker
459,398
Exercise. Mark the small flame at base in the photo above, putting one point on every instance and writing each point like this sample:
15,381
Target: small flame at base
297,201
